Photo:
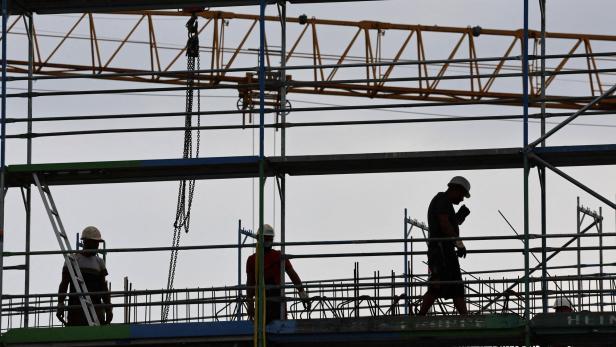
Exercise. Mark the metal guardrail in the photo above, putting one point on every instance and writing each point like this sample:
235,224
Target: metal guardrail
358,297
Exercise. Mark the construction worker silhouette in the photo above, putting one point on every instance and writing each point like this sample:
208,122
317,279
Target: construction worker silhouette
271,270
443,256
94,272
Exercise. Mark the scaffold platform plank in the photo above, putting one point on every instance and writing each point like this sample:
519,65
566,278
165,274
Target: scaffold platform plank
78,6
331,164
479,330
365,331
576,328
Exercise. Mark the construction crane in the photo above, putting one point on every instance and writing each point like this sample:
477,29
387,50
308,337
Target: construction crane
364,65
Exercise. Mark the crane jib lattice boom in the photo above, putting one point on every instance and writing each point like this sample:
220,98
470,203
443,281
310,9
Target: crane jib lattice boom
364,63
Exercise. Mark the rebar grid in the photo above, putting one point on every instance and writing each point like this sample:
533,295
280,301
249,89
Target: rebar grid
373,296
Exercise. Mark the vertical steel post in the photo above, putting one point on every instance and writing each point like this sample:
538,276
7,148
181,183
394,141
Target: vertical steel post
239,270
526,171
600,229
406,265
579,257
283,111
30,33
542,172
260,319
5,17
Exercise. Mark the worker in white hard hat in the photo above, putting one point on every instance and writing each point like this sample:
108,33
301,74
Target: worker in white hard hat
271,271
562,305
94,272
443,256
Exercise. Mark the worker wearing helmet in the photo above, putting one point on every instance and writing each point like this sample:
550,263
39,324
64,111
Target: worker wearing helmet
562,305
443,263
94,272
271,271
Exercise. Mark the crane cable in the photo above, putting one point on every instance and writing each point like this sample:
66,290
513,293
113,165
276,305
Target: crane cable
187,187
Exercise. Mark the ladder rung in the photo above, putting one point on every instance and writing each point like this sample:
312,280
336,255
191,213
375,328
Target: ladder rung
14,267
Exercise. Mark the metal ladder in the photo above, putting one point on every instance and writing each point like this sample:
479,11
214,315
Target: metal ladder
69,258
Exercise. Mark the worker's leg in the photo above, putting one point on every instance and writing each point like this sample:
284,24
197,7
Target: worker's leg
76,317
433,288
272,310
426,303
456,289
460,305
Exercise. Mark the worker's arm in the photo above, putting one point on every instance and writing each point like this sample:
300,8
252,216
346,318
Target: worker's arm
62,290
446,227
452,231
107,300
107,296
297,282
250,291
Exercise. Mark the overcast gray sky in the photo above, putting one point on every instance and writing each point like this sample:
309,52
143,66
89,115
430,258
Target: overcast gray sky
318,208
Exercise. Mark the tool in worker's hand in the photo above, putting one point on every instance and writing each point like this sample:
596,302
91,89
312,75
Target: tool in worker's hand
464,211
461,252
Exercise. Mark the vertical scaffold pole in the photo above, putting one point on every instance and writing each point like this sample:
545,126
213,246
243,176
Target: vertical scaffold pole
30,33
600,229
283,152
406,265
526,170
5,17
542,172
239,270
260,300
579,257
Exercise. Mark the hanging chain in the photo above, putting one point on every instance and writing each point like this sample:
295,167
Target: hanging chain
184,202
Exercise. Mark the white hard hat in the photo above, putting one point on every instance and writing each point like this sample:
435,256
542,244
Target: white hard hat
268,230
562,302
91,233
462,182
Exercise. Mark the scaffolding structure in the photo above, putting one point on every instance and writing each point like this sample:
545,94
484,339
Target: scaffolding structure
520,301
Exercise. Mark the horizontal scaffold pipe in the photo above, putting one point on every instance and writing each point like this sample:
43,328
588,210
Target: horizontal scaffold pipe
476,251
235,112
295,84
50,307
358,285
292,125
316,243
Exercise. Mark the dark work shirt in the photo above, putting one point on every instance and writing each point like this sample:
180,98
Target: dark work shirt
93,270
440,205
271,267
